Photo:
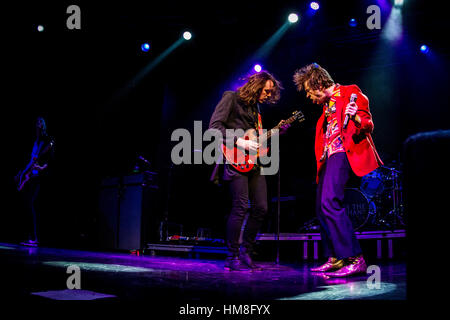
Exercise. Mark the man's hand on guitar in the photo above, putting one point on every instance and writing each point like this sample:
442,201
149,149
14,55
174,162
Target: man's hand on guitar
249,145
283,126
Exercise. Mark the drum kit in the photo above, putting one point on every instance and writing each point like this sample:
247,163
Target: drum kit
377,204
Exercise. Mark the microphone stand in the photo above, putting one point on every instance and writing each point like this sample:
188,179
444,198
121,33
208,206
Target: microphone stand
278,218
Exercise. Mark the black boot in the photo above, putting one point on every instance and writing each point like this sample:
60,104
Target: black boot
233,263
246,259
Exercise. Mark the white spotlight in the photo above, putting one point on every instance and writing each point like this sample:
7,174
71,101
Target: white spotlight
187,35
293,18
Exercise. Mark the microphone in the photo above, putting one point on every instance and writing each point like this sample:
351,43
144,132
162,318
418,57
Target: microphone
347,116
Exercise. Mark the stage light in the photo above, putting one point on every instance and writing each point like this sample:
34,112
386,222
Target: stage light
40,28
187,35
257,68
293,18
145,47
424,48
398,3
314,5
393,28
352,23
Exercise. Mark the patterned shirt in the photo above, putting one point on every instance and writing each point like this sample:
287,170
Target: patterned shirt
332,137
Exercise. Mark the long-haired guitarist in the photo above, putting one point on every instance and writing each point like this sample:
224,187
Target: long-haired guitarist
28,180
240,110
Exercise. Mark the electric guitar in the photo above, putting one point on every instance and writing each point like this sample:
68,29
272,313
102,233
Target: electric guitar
244,160
31,170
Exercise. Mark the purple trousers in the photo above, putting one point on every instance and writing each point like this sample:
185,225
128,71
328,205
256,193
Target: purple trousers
336,229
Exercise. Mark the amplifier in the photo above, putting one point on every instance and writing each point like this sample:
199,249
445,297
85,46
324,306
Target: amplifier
128,211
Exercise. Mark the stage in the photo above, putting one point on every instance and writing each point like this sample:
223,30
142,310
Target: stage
38,274
117,138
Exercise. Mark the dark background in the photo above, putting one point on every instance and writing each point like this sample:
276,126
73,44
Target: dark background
81,82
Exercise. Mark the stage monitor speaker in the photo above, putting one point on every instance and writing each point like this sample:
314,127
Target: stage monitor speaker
128,212
426,176
426,191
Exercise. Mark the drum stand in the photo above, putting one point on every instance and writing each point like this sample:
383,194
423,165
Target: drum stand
394,217
397,210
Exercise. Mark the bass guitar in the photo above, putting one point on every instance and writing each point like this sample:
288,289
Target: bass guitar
31,170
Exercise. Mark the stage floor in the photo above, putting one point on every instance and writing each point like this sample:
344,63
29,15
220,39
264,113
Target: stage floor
42,274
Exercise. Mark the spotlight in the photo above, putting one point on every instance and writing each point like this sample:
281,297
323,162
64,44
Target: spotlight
398,3
40,28
424,48
314,5
352,22
187,35
293,18
257,68
145,47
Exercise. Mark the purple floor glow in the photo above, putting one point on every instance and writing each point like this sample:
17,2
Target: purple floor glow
128,277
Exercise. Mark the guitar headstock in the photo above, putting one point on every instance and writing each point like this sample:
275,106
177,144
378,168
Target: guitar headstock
296,115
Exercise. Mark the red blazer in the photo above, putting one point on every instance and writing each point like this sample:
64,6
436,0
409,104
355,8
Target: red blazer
358,143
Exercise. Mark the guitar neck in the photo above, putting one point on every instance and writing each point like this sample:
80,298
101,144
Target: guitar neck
50,145
267,136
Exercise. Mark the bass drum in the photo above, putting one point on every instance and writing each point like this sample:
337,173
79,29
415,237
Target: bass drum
361,210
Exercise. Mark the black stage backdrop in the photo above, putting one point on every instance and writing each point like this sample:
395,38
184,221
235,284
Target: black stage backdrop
81,81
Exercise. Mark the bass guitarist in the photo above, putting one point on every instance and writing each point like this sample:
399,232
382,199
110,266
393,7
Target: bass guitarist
240,110
29,180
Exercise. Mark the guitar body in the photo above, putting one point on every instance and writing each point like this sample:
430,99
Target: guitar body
31,170
244,160
24,176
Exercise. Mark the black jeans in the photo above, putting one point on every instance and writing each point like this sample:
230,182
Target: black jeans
30,196
244,187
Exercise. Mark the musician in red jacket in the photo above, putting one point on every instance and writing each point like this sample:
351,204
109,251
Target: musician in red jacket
343,147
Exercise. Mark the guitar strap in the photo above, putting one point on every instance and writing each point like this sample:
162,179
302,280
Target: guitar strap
258,122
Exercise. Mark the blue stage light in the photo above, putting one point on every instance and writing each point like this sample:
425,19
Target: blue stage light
257,68
424,48
314,5
40,28
145,47
352,23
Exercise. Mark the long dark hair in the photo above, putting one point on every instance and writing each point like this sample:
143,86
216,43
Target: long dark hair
43,131
252,89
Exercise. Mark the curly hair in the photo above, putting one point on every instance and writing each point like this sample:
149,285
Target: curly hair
251,90
316,76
